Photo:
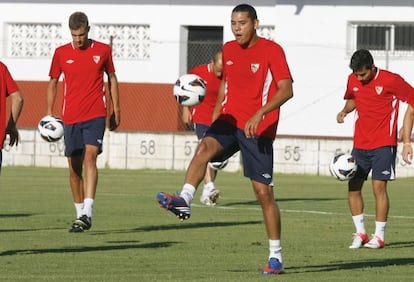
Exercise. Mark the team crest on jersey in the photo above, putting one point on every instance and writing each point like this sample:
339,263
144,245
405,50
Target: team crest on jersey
254,67
96,59
379,89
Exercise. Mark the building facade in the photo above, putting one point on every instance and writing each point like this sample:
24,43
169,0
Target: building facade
156,41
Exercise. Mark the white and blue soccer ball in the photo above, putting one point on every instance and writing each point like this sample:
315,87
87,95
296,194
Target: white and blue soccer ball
218,165
51,128
189,90
343,166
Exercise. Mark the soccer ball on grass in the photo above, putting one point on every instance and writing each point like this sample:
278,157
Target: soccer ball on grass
51,128
189,90
343,166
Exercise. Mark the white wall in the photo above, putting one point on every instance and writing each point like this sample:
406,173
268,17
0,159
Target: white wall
315,42
174,151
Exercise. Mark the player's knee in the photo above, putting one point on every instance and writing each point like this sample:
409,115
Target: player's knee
355,184
263,193
206,150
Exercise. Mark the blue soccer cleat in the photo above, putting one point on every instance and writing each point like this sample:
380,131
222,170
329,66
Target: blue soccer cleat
174,204
273,266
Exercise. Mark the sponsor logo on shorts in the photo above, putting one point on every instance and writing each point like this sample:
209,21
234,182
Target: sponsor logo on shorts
266,175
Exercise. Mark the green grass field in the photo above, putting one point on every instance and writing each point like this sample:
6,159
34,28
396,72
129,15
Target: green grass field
133,239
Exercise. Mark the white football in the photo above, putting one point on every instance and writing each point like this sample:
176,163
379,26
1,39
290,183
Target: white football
343,166
218,165
189,90
51,128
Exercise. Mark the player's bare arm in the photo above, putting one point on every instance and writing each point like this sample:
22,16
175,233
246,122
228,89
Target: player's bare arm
284,93
186,115
407,153
349,107
16,109
114,92
220,97
51,95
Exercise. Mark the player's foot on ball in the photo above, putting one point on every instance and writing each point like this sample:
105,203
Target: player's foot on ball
210,198
358,240
81,224
273,266
375,243
174,204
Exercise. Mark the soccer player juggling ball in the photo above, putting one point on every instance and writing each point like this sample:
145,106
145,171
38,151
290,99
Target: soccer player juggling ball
83,62
256,83
374,95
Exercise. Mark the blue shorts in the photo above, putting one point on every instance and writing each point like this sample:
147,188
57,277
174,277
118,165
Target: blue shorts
257,152
200,129
78,135
381,161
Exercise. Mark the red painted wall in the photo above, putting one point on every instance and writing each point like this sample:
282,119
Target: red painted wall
144,106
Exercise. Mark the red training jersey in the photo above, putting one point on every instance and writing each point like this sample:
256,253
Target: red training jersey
7,87
251,75
83,80
203,112
376,112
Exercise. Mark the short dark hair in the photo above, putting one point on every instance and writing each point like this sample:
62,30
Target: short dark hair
246,8
361,58
78,20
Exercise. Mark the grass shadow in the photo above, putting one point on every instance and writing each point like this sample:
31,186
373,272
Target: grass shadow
16,215
374,263
396,245
19,230
83,249
179,225
256,203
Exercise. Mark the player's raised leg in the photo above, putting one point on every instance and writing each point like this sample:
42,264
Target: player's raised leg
180,204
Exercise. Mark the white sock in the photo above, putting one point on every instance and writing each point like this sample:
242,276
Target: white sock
208,187
380,229
359,223
275,249
87,209
79,209
188,193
